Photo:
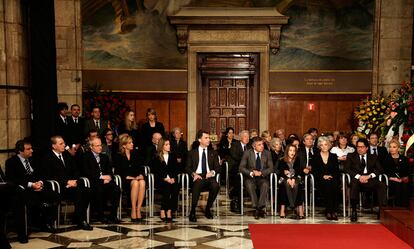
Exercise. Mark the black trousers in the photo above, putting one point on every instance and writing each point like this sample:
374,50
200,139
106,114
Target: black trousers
80,196
210,185
14,202
103,194
169,194
373,185
41,206
330,192
234,182
400,192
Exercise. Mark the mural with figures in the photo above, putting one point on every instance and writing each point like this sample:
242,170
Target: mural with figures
136,34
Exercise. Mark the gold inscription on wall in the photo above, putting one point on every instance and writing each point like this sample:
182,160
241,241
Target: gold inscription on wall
320,82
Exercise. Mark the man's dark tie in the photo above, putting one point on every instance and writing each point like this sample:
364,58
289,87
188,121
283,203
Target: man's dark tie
363,164
97,124
375,151
244,147
65,120
204,163
76,120
258,163
27,167
98,160
61,159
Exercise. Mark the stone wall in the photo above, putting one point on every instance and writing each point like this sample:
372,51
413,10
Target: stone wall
68,51
14,91
394,36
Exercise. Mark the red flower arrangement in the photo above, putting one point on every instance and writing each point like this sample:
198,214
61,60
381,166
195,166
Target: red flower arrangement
113,106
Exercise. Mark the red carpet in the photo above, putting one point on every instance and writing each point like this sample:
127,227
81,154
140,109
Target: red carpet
320,236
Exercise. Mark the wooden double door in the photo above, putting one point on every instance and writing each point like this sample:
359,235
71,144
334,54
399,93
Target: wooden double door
228,92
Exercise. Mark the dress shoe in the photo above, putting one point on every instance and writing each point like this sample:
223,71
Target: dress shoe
328,216
133,220
257,214
354,216
50,229
262,214
85,226
168,220
208,214
22,239
193,217
334,216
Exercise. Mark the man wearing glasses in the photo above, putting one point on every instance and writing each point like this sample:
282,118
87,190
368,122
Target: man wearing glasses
364,169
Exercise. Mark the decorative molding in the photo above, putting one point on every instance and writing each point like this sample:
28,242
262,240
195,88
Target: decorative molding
274,38
182,37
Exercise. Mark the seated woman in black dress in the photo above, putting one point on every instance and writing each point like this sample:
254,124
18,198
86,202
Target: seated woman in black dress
397,169
290,191
325,167
166,171
132,173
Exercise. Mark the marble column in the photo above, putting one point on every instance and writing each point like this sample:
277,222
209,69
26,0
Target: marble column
68,51
393,47
14,91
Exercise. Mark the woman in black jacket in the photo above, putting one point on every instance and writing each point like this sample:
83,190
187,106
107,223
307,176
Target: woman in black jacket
166,171
132,173
325,167
397,169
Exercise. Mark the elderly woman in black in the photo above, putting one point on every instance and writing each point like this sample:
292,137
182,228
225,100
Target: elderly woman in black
397,169
327,177
132,173
166,171
290,191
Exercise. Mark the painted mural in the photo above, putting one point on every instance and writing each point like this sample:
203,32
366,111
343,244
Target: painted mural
136,34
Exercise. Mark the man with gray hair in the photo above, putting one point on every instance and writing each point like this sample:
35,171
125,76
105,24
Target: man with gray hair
97,168
256,166
236,154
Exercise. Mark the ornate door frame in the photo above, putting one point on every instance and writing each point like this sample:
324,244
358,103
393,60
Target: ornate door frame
194,98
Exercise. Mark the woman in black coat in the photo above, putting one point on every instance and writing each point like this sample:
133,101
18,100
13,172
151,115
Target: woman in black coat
397,169
325,167
132,173
166,172
290,182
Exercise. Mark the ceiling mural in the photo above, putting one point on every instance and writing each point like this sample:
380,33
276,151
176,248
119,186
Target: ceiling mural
136,34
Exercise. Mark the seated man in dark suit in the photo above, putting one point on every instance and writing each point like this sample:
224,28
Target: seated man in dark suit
62,120
97,168
21,170
306,152
15,203
364,170
374,149
202,165
236,154
256,165
58,165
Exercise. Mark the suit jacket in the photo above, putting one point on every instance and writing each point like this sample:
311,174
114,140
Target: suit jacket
381,151
353,165
16,172
131,167
54,169
62,127
162,169
396,169
193,159
236,154
248,163
92,170
180,149
302,157
320,168
90,125
75,131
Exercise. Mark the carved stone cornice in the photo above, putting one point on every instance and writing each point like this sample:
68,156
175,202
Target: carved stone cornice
230,23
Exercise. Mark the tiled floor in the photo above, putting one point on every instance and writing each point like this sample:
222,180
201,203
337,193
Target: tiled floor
227,231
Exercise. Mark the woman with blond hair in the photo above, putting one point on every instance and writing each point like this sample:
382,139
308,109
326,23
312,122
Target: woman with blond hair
129,126
132,173
397,169
166,171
